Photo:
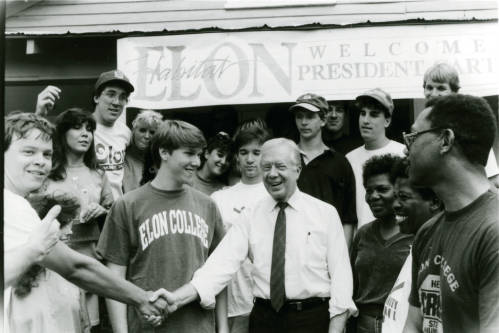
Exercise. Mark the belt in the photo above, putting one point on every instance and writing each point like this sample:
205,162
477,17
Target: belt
294,304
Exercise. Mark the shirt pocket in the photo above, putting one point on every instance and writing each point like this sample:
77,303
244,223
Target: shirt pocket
315,250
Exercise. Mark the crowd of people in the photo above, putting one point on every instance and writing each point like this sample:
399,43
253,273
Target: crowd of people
249,232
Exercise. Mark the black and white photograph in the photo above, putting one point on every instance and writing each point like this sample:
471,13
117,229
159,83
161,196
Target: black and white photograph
250,166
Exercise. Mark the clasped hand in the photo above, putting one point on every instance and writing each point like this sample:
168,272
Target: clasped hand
161,304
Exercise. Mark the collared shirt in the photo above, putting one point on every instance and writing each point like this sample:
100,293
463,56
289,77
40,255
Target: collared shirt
330,178
316,265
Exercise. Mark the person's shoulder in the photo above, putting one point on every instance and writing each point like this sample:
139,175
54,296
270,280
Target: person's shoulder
359,151
428,228
366,228
139,193
12,200
225,191
121,127
199,196
395,147
307,199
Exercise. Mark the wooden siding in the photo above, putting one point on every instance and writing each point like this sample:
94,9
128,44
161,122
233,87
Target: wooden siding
55,17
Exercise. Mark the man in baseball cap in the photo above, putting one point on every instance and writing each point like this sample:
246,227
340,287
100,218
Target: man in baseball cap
376,108
111,137
326,174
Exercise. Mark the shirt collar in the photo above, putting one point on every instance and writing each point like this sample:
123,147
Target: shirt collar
293,201
327,150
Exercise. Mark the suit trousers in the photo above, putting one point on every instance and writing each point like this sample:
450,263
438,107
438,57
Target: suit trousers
264,319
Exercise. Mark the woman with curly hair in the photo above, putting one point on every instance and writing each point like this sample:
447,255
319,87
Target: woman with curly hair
379,249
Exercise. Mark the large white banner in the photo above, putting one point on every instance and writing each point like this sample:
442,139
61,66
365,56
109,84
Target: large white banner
278,66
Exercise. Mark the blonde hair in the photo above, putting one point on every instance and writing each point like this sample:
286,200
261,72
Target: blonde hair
442,73
150,117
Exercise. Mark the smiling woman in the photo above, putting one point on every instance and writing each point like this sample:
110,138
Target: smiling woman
143,128
75,173
379,249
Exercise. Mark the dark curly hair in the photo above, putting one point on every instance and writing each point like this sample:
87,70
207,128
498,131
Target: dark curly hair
378,165
67,120
472,121
42,203
220,141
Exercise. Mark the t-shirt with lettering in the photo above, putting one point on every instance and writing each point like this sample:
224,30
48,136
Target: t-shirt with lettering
163,237
397,302
455,271
110,146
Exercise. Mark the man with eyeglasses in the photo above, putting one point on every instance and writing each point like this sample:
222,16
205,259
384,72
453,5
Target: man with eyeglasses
442,79
111,137
455,268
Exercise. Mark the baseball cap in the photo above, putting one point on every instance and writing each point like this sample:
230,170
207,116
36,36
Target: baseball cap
311,102
114,75
381,96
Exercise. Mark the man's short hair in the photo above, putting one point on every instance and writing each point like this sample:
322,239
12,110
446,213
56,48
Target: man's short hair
337,106
149,117
251,130
400,169
378,165
19,124
472,121
174,134
442,73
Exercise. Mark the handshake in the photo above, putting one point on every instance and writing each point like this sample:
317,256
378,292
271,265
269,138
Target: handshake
161,303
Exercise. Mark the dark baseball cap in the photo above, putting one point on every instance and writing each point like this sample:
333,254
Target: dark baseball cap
381,96
311,102
114,76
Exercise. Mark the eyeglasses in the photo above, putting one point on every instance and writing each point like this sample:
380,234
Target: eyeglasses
409,138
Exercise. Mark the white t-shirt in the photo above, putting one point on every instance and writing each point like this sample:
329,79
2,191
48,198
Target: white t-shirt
491,168
357,158
110,146
397,302
232,201
19,220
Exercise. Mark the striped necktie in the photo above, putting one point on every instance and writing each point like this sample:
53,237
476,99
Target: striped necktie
277,288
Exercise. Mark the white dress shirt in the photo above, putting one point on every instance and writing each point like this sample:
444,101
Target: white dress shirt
317,263
232,201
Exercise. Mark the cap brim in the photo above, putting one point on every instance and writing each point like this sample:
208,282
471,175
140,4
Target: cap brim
307,106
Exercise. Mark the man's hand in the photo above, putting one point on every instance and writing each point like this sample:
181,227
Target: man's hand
93,211
171,304
46,100
44,237
153,311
